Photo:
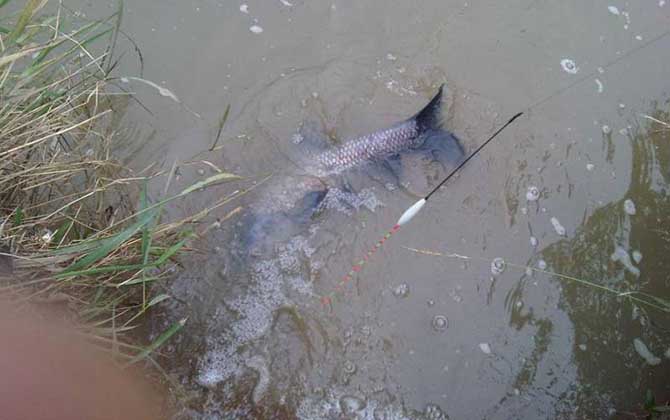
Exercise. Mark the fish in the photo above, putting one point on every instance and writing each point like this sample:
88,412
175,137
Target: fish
290,203
422,131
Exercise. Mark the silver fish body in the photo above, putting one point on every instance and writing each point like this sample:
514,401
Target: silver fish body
290,202
374,146
401,137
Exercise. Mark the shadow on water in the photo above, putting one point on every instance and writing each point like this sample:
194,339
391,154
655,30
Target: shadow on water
623,245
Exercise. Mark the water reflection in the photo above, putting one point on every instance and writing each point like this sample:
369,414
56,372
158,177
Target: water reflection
611,373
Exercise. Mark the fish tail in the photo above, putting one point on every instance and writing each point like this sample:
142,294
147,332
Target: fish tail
430,117
433,133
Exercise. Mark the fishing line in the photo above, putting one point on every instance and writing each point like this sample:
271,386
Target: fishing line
413,210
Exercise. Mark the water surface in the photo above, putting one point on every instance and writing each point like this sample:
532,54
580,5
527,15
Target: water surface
517,344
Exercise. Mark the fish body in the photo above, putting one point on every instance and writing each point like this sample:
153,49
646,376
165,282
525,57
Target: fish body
379,145
291,201
370,147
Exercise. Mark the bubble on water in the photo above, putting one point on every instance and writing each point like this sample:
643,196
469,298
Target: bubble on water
297,138
614,10
590,167
434,412
286,3
401,290
582,347
430,302
440,323
217,365
524,210
391,57
533,241
244,8
558,227
638,37
637,256
622,106
629,207
569,66
125,80
256,29
485,348
606,129
533,193
201,172
349,367
497,266
350,404
542,264
344,201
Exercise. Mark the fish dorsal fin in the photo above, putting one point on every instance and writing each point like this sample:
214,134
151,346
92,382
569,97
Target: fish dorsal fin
430,117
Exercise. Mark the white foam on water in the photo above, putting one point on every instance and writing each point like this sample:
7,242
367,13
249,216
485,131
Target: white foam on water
645,353
614,10
485,348
600,86
255,309
621,255
337,404
217,365
345,202
256,29
629,207
558,227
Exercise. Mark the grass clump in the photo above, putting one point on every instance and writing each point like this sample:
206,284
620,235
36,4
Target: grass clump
76,225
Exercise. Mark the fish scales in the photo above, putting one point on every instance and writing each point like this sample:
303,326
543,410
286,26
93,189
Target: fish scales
374,146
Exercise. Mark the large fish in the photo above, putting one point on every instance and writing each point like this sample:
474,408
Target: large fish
423,131
290,202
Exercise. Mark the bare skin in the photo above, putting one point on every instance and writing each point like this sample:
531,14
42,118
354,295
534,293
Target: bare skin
51,373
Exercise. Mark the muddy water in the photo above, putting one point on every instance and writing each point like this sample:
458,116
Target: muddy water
417,334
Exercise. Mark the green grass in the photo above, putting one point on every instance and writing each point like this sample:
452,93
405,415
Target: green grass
76,225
